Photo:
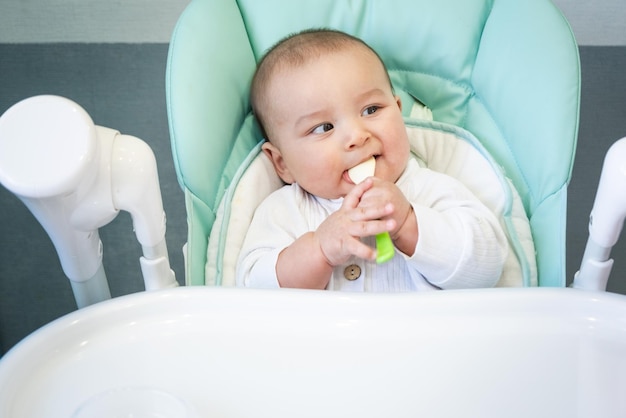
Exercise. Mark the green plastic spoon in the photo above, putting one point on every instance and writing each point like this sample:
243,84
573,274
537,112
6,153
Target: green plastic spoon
384,245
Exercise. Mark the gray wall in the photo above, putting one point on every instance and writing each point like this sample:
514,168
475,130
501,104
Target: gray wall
110,58
597,22
88,21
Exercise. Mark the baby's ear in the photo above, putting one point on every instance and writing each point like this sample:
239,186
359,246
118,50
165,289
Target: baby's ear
275,156
399,102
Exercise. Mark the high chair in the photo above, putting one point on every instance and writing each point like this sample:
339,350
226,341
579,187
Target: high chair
502,74
495,82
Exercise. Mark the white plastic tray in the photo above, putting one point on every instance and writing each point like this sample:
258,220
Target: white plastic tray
254,353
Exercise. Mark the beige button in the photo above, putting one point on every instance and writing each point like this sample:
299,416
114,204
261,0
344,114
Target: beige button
352,272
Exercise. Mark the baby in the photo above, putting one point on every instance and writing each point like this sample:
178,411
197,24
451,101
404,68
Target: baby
325,104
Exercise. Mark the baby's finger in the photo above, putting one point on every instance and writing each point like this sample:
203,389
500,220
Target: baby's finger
353,198
359,249
368,213
371,227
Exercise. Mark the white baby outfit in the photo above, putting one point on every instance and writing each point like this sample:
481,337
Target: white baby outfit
461,243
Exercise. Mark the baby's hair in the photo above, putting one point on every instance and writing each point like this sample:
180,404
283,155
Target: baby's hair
293,51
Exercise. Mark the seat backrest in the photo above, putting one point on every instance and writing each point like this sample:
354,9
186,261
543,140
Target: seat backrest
505,70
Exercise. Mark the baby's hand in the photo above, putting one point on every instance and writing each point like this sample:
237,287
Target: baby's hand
388,195
339,235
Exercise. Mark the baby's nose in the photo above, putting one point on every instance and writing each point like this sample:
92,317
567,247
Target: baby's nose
357,136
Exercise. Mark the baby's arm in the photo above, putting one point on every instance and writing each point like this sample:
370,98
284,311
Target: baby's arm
461,243
303,265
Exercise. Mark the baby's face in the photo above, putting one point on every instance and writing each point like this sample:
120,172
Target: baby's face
331,114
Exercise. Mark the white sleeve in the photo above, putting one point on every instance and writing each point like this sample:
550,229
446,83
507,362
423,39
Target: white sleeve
461,243
276,224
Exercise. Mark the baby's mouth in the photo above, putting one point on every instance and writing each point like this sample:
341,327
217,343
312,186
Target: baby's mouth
363,170
346,177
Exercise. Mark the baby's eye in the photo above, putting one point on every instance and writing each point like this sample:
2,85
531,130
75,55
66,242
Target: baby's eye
370,110
320,129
